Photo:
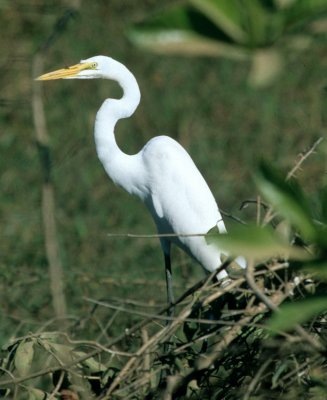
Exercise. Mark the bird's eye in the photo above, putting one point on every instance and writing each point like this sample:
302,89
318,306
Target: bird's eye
94,65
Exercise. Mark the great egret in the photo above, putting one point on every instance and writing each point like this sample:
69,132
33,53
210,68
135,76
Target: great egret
162,174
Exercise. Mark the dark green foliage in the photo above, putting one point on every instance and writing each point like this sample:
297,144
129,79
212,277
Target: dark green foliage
287,198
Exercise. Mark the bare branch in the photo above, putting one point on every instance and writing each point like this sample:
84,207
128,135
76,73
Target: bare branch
303,157
48,202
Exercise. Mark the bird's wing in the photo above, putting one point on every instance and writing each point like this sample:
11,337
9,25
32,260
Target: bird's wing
181,199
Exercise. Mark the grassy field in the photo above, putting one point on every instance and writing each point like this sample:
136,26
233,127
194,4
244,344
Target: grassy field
205,104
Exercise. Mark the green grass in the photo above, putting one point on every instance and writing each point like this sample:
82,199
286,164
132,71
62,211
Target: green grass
204,103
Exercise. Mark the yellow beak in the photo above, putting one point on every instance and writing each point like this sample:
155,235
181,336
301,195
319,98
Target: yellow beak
67,72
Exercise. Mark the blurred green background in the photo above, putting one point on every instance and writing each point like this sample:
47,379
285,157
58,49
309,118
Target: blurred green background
205,103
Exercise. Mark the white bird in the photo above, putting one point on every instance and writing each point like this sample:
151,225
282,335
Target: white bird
162,174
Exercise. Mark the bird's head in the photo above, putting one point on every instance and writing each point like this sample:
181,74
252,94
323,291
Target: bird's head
91,68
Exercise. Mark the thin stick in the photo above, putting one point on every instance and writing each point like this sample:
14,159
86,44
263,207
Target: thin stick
274,307
147,358
258,210
270,213
303,158
48,201
58,385
256,379
155,235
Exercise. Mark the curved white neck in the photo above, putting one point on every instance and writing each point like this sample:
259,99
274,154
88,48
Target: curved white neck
119,166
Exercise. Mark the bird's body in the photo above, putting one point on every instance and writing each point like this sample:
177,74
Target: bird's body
162,174
178,199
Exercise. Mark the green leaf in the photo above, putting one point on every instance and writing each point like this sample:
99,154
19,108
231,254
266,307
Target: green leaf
24,357
317,268
183,30
36,394
287,199
323,203
230,28
255,242
91,363
225,14
283,366
296,313
301,12
257,22
62,351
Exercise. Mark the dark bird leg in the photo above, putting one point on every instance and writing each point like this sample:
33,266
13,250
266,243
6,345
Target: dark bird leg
170,313
169,284
165,245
